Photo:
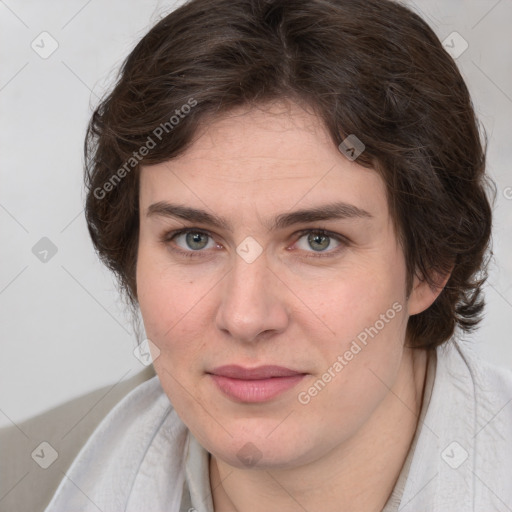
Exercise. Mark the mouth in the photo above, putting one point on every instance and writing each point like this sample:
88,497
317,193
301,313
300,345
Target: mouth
254,385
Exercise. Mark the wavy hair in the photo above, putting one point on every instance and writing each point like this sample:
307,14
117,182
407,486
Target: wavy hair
372,68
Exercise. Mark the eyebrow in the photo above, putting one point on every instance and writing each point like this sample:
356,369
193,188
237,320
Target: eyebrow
330,211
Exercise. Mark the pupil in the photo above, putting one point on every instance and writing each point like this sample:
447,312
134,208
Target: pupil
194,240
315,239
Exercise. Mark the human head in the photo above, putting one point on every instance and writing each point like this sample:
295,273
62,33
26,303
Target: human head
370,68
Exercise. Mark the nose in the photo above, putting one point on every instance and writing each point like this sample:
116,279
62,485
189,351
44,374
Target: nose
252,303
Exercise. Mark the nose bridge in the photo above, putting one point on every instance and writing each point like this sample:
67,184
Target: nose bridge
249,279
251,302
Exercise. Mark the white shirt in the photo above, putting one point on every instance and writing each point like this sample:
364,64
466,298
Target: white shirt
142,456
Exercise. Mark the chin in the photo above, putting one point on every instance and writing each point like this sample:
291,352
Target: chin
246,450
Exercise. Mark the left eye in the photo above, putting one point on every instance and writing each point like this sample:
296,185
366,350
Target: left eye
319,241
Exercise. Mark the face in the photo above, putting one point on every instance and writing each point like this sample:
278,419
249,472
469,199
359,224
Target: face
232,270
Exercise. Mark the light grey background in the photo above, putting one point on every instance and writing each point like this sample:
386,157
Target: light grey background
64,330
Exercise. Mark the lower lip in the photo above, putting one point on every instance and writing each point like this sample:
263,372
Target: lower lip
254,391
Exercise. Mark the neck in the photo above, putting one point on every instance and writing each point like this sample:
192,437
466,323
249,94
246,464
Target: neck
359,474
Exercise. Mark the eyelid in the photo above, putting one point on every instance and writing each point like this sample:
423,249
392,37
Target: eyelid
169,236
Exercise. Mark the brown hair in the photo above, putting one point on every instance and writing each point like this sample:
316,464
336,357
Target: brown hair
371,68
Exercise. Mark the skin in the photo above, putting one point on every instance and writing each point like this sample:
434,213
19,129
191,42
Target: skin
345,448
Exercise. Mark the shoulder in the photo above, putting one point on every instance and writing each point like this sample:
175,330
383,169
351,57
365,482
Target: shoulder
25,483
463,456
132,461
479,389
461,361
490,389
462,460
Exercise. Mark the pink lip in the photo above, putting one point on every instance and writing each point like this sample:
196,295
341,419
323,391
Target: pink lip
261,372
254,384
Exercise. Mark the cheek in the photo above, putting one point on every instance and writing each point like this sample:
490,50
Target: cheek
172,314
360,366
177,311
356,300
167,296
366,310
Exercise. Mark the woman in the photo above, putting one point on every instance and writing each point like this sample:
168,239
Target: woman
294,195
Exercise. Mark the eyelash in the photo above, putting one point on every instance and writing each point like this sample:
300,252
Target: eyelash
169,236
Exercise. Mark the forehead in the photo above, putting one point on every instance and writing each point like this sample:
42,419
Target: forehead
271,158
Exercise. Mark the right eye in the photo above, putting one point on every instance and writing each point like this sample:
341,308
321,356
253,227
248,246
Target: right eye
190,242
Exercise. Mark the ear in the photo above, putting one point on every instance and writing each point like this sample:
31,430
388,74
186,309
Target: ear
423,294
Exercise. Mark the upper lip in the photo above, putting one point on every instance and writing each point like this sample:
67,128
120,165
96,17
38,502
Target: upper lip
261,372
